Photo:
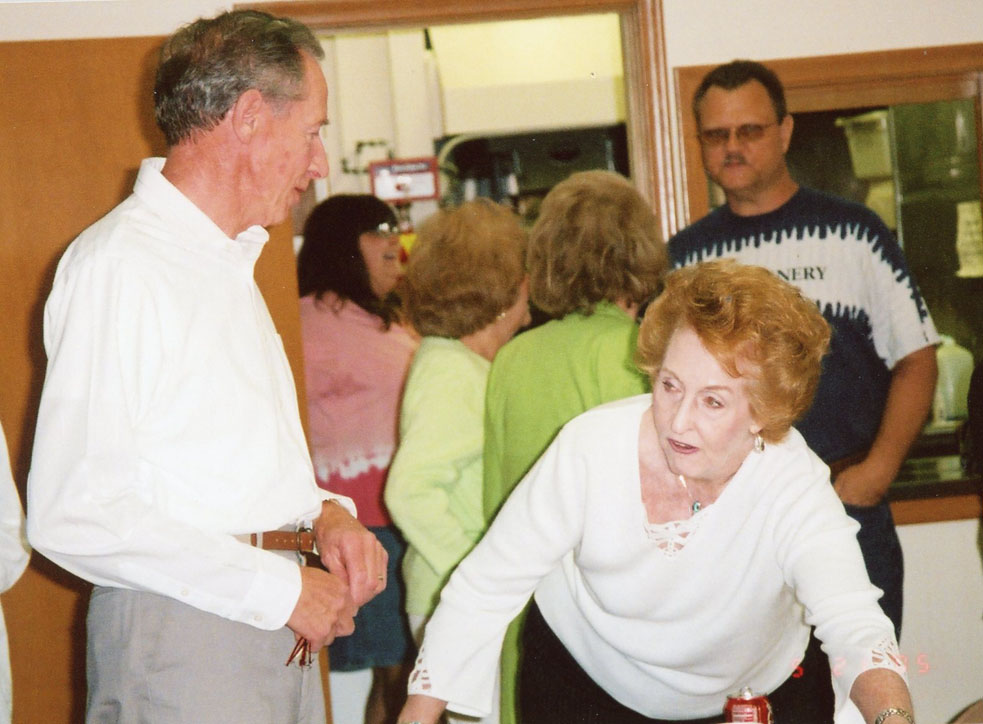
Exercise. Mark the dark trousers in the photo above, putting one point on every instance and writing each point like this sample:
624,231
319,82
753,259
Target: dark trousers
881,549
554,689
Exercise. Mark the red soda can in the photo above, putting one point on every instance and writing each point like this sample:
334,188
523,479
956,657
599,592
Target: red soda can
746,706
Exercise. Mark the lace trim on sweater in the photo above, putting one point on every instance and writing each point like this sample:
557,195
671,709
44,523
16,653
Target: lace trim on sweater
671,537
887,655
419,682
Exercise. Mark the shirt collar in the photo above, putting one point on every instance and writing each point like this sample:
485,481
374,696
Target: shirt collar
609,309
199,233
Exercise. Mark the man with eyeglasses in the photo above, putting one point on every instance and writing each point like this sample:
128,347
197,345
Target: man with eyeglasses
879,376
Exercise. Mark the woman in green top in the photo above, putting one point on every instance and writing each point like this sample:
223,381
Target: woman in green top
466,291
595,258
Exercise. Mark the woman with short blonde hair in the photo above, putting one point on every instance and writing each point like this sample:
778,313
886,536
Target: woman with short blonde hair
594,258
466,268
466,292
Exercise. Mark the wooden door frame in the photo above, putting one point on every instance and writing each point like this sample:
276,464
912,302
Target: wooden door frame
643,49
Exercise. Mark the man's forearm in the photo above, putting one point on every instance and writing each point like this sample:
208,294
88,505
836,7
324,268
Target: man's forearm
909,401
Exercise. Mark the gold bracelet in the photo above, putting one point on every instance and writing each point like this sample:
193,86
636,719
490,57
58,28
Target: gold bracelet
894,711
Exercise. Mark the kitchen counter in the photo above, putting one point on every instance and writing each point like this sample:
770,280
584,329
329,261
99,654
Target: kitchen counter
935,488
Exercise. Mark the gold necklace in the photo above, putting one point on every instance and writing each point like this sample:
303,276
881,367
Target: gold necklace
696,505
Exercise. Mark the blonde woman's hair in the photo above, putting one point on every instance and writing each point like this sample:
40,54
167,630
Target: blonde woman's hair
465,269
595,239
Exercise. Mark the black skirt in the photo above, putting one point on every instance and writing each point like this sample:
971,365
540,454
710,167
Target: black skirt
554,689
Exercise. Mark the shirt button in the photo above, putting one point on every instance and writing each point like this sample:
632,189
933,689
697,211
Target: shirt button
185,592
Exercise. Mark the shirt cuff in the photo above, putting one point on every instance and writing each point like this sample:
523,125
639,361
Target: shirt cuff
275,591
345,502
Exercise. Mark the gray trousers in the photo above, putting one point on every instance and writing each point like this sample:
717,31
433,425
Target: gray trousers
152,659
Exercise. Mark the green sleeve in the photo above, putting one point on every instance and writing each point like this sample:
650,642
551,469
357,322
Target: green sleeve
494,487
440,447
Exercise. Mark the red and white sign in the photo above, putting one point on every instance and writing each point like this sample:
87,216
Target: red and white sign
405,179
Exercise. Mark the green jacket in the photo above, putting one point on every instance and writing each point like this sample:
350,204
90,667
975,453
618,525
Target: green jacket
544,378
433,492
538,382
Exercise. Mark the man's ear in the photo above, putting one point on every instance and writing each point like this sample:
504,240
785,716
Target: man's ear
785,129
247,114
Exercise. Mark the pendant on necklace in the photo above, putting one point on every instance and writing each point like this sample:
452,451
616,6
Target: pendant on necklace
696,506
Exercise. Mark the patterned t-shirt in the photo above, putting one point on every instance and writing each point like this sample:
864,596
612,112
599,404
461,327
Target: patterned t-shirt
841,255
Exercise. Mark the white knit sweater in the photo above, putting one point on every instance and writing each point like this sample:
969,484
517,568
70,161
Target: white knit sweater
668,619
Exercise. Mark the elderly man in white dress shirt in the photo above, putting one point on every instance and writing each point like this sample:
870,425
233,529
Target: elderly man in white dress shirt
168,432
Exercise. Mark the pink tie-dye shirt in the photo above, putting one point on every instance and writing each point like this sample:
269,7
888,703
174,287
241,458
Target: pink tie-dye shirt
355,371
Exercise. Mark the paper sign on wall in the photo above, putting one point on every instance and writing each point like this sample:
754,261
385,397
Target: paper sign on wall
969,239
407,179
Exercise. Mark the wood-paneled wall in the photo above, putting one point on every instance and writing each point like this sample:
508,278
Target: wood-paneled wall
75,120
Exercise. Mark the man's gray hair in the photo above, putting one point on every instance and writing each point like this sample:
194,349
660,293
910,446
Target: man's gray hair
206,65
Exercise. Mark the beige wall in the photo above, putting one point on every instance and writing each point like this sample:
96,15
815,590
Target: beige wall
99,18
942,634
709,31
697,31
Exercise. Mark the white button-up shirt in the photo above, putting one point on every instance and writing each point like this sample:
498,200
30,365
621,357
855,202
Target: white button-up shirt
13,560
168,421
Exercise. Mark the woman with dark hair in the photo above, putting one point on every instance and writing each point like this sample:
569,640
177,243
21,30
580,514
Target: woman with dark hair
356,357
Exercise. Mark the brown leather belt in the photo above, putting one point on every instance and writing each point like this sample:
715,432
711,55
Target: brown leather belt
838,466
300,541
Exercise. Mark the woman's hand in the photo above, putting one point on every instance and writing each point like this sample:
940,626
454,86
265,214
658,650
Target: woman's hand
421,709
